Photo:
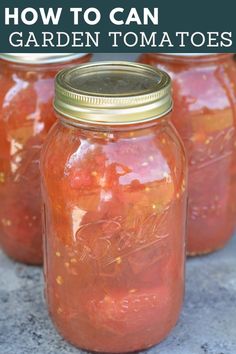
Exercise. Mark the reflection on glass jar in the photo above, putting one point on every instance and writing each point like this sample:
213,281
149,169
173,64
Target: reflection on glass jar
204,89
26,114
114,191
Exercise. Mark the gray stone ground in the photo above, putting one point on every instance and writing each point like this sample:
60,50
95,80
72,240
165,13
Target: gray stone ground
207,324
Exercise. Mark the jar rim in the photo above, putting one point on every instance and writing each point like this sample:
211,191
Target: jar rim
113,92
190,54
40,58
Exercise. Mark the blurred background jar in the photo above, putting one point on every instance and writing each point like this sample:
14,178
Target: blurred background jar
204,89
114,192
26,114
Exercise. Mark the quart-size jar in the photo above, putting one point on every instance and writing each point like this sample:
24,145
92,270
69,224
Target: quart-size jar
204,89
114,192
26,114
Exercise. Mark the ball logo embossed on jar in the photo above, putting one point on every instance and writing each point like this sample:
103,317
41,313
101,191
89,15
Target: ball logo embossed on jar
144,233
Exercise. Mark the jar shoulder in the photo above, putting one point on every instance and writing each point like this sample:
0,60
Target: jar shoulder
26,106
200,84
125,158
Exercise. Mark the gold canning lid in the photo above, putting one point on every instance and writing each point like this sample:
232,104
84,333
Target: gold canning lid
112,93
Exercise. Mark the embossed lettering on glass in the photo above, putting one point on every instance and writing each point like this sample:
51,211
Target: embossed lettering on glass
114,192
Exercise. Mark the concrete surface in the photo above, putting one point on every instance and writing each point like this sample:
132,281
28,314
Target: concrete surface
207,324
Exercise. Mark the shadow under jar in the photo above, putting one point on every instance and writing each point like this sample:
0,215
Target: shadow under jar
114,192
204,94
26,115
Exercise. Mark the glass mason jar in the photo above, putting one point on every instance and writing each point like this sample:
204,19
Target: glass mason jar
113,182
26,114
204,90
